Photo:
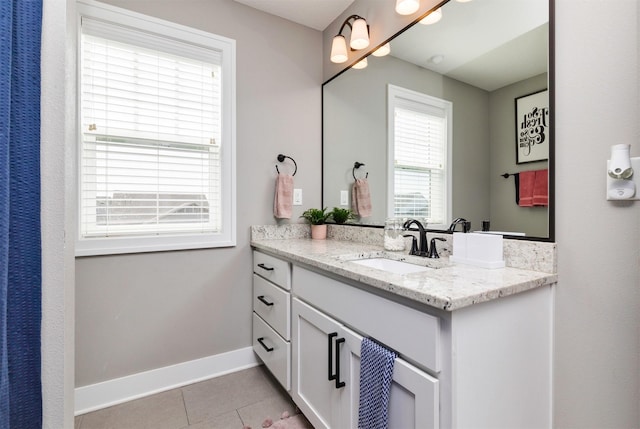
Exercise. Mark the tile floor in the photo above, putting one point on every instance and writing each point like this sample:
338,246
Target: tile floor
243,398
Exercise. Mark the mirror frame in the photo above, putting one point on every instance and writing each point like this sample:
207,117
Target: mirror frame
552,120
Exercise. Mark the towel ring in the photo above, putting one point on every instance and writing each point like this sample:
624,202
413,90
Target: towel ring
281,158
355,166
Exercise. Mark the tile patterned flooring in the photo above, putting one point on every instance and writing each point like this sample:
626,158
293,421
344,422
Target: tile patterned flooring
233,401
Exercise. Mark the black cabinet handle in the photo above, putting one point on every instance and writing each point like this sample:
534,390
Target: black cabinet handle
331,375
264,301
264,267
339,383
260,340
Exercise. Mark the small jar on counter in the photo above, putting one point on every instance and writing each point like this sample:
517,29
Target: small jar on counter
393,239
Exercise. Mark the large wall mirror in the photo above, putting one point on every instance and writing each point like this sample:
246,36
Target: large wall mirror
490,62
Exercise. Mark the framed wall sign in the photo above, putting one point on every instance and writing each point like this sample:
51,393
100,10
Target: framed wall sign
532,127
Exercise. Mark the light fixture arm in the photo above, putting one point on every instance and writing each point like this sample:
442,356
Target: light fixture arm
346,22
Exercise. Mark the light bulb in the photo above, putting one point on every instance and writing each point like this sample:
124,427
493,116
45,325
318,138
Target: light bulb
432,18
359,34
407,7
361,64
339,49
382,50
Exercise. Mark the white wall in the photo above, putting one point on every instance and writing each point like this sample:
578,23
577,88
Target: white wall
597,358
57,253
139,312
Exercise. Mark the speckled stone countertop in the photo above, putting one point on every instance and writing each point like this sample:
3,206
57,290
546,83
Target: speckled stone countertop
448,286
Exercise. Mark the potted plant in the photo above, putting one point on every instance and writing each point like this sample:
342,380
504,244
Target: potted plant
317,218
341,216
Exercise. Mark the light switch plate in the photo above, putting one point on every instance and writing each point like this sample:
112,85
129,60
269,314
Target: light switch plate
344,198
297,197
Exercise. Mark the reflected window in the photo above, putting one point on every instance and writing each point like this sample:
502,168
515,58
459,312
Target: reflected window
420,152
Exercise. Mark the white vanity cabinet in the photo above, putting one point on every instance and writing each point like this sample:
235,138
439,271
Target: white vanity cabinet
482,366
326,354
272,315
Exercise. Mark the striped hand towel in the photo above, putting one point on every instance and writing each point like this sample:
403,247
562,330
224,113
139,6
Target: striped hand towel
376,373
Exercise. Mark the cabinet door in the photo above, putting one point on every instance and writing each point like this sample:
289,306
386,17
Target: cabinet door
313,363
413,402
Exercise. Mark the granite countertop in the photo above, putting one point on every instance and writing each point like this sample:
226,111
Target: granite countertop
448,286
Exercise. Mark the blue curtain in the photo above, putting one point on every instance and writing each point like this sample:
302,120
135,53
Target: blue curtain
20,255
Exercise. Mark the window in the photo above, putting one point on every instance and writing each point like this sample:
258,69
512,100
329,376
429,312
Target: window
156,139
419,154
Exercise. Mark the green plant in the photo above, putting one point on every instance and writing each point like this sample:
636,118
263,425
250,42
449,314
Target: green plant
316,216
341,215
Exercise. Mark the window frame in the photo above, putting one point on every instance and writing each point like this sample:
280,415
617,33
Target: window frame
395,95
88,246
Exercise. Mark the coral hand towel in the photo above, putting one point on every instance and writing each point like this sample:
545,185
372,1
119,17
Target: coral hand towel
283,201
361,198
541,188
527,181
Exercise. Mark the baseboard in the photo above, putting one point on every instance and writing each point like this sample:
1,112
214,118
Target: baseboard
119,390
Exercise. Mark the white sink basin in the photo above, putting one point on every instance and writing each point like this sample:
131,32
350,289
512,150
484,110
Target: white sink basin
389,265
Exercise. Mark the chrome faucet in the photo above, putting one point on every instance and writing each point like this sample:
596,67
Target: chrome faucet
422,233
466,225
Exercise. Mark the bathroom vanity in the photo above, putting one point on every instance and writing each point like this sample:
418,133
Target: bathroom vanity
474,345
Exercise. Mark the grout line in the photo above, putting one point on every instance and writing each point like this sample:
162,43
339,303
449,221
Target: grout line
184,404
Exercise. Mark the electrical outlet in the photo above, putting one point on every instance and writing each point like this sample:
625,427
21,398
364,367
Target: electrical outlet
297,197
344,198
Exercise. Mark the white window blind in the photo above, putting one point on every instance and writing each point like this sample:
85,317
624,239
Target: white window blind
152,138
420,154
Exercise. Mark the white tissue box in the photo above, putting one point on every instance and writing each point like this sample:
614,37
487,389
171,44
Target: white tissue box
480,250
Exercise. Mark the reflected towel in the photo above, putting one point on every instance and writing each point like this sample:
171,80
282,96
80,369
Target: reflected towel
283,200
376,373
541,188
527,181
361,198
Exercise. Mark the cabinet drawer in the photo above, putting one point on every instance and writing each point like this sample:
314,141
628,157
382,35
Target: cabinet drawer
273,350
412,333
273,269
273,305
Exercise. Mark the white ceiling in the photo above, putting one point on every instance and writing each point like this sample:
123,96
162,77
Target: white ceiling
486,43
317,14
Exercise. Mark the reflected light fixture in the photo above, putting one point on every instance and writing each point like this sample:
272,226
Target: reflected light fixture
382,50
433,17
359,38
407,7
361,64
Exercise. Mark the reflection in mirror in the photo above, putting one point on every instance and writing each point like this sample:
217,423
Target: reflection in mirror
478,58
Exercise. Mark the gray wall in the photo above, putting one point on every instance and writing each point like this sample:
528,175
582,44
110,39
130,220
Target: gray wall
506,215
144,311
597,326
355,112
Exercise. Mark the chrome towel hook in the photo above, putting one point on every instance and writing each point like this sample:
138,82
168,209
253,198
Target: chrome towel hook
281,158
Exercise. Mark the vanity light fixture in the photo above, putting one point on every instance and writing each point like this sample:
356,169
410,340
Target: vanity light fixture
382,50
361,64
407,7
433,17
359,38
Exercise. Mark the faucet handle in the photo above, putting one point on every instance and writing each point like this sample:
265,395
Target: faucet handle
433,252
414,244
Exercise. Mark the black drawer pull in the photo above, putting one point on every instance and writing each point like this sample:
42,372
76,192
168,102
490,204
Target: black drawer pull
264,267
331,375
339,383
260,340
264,301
